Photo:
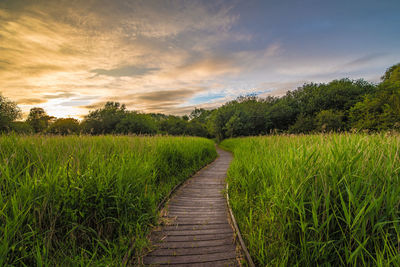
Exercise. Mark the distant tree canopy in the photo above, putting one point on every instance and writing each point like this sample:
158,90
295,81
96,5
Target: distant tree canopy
312,107
104,120
136,123
64,126
9,112
380,110
38,119
339,105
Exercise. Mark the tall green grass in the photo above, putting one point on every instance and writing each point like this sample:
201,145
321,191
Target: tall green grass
328,199
68,201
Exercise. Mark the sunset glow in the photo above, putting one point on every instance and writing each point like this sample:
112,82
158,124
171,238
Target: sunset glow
171,56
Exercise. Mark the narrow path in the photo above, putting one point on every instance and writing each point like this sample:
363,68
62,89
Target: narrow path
197,230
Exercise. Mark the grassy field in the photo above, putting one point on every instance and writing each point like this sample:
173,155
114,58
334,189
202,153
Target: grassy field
82,200
328,199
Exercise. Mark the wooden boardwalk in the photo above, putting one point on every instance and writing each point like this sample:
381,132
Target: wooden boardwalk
197,231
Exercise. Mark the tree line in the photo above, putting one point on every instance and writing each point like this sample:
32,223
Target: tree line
340,105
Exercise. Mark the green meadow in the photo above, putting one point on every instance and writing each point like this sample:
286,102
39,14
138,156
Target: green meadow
300,200
87,201
324,199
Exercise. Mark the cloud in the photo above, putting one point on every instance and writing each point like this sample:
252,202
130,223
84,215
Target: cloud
30,101
73,103
60,95
129,46
279,89
166,96
364,60
155,101
124,71
39,69
208,67
93,106
152,55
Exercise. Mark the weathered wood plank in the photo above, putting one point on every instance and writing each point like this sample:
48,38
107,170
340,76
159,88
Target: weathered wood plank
182,238
183,209
191,251
193,212
197,202
196,232
198,221
196,244
194,206
203,216
225,263
197,226
191,258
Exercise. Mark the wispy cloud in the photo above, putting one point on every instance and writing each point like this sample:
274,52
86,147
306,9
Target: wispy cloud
156,101
31,101
59,95
124,71
110,48
363,60
71,56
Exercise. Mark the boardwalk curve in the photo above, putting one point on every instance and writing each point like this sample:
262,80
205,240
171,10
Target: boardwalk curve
197,231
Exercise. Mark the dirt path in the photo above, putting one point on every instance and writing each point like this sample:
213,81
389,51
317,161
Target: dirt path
197,232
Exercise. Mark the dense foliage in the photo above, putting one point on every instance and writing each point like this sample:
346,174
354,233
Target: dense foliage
80,201
340,105
9,112
317,200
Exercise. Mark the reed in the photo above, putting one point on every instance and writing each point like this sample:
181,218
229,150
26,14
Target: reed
325,199
81,200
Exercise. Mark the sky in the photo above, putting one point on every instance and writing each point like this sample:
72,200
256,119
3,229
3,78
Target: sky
70,57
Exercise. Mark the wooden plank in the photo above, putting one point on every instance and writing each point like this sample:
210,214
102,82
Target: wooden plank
195,214
191,251
200,203
190,209
187,210
198,209
205,184
198,206
195,232
225,263
199,221
182,202
198,199
197,217
196,227
202,194
181,238
198,195
210,257
196,244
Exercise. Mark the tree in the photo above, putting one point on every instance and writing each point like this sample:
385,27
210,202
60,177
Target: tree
381,109
135,123
282,112
392,74
64,126
174,125
196,128
303,124
236,125
21,127
330,120
9,112
38,119
104,120
247,115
